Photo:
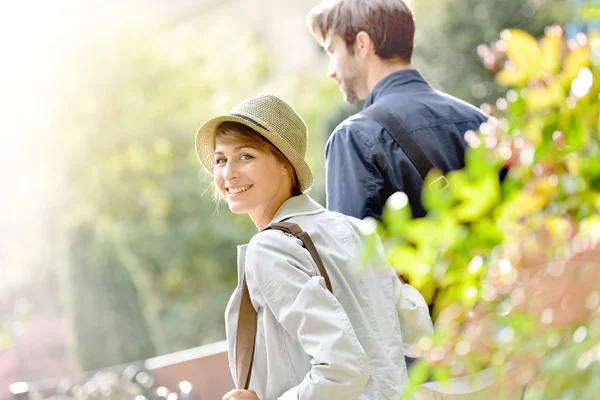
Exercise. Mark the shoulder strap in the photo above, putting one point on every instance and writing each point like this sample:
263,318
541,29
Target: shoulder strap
293,229
246,326
245,337
396,128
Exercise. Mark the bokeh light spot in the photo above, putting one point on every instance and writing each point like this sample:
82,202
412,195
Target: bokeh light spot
463,347
585,360
547,316
397,201
369,226
480,11
593,300
475,264
580,334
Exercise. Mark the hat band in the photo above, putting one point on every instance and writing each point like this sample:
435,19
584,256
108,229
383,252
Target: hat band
245,118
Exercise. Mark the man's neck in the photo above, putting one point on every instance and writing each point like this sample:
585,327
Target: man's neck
381,70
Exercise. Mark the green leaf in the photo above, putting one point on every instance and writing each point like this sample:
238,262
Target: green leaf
423,232
419,372
456,271
397,213
437,195
485,234
479,163
371,241
516,109
477,197
408,260
442,375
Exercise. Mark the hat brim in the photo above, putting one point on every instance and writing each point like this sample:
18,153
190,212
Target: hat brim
205,139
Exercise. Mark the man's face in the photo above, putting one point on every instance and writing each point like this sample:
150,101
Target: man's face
345,68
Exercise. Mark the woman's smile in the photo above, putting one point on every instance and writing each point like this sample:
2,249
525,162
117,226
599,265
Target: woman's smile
238,190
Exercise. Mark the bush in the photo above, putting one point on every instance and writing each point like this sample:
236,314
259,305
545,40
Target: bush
516,264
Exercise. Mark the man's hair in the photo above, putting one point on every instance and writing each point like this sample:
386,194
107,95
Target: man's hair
234,132
389,24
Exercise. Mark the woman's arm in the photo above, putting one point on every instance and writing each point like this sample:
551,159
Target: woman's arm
279,268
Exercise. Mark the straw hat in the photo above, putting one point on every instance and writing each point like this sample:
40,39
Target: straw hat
273,118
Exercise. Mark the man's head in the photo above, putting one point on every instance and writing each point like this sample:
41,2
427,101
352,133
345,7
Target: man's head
361,36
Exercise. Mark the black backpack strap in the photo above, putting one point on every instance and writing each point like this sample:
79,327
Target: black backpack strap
396,128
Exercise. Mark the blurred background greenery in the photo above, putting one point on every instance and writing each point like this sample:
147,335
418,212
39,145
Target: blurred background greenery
107,226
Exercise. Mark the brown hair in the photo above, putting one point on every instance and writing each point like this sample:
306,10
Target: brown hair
233,132
389,24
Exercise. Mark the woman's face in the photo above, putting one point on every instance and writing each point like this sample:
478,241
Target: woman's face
251,180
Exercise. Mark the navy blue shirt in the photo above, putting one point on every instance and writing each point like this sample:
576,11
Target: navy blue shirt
365,165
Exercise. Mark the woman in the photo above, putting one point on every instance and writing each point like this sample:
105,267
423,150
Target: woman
310,343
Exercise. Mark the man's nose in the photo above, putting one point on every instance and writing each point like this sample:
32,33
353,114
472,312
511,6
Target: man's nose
331,70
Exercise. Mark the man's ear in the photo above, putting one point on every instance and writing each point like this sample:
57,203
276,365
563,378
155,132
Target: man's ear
364,44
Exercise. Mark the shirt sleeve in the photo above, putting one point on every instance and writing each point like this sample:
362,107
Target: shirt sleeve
353,181
281,270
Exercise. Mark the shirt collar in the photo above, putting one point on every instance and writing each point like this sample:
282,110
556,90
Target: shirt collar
297,205
393,82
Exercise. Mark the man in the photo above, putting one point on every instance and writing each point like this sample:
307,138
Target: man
370,45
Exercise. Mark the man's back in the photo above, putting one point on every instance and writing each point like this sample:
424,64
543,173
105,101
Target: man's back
365,165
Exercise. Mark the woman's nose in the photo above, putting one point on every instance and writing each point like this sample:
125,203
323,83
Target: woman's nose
229,171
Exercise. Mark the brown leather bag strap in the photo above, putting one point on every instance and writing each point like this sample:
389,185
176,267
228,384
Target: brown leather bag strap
245,338
246,327
293,229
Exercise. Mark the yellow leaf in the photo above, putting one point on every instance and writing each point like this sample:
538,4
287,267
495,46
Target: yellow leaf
544,186
533,129
559,228
522,205
525,57
511,76
425,286
544,97
550,46
575,60
573,163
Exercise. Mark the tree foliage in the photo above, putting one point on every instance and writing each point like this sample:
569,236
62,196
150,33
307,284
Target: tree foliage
449,34
104,306
516,263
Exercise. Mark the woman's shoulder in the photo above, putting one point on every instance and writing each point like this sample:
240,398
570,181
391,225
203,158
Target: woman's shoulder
328,218
272,242
273,250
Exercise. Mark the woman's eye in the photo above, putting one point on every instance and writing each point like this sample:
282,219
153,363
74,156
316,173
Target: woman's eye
246,157
220,161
